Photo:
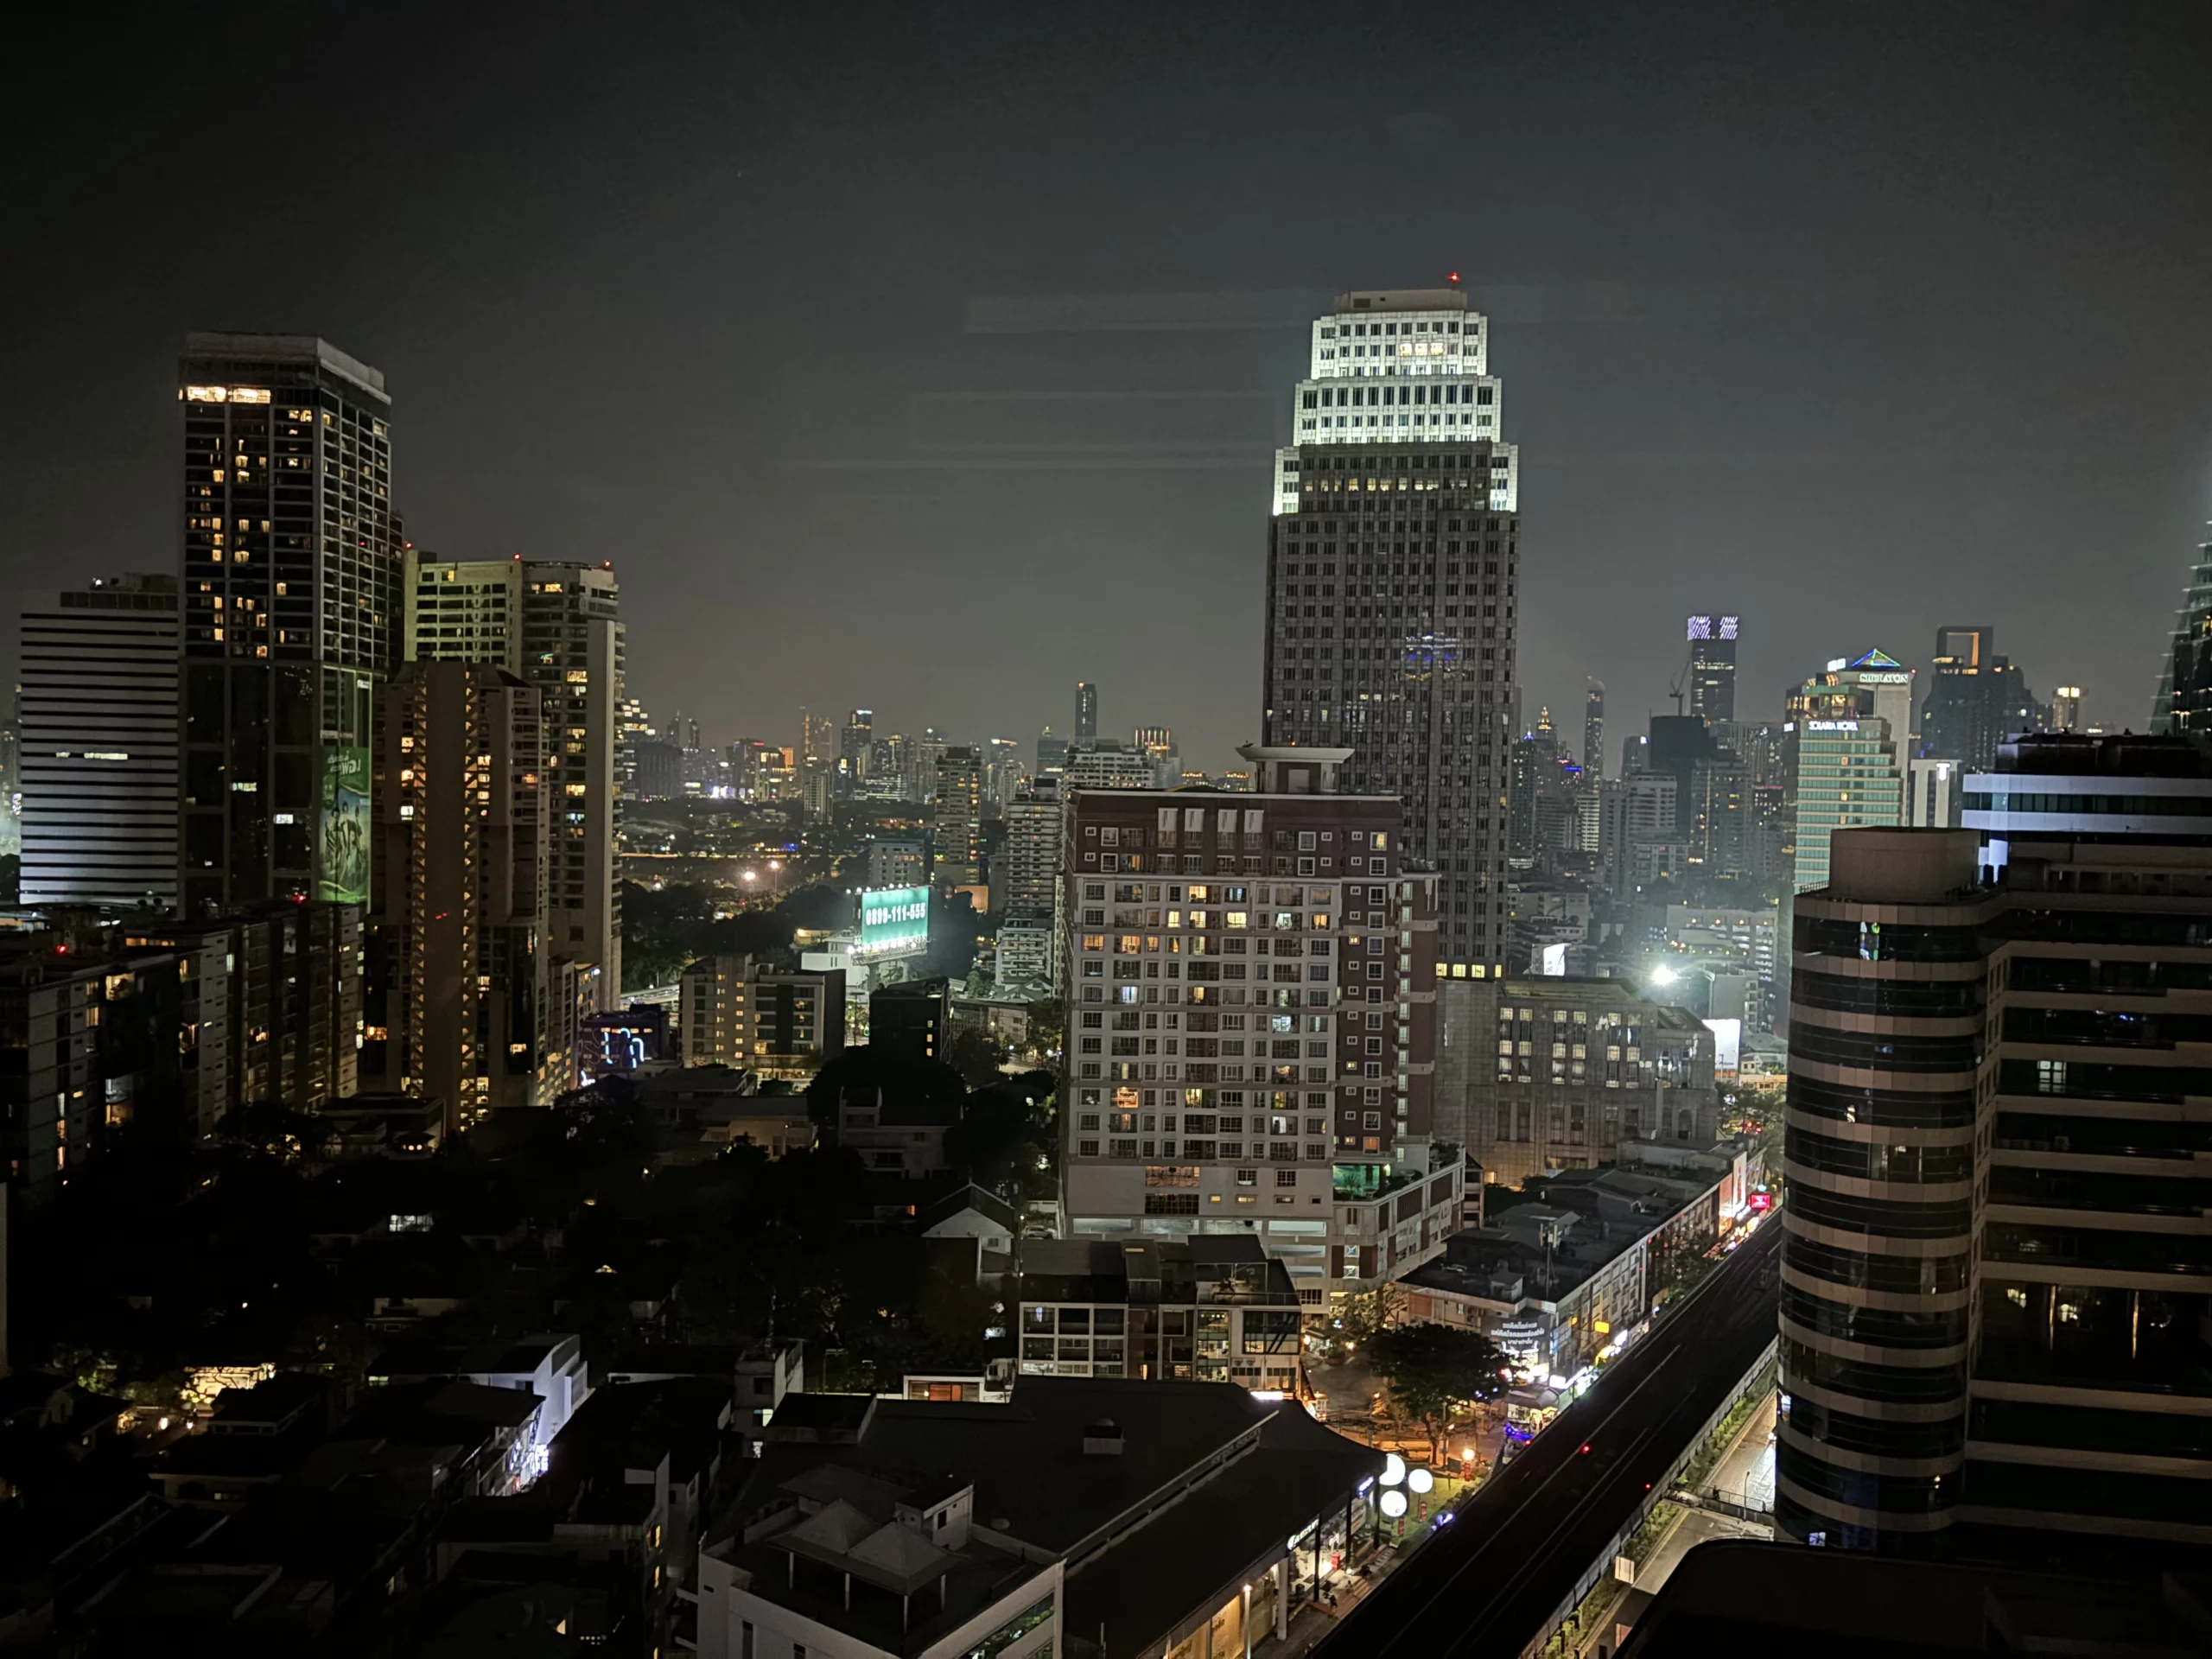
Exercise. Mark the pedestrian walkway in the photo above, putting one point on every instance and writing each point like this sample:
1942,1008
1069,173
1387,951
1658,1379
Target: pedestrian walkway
1746,1475
1309,1623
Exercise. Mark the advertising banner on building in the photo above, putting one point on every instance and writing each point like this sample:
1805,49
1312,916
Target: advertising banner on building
894,922
342,856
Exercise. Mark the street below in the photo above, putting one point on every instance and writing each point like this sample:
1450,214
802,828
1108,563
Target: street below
1485,1584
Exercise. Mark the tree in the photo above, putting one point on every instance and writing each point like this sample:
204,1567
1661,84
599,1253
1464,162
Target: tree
1048,1021
1003,1136
976,1057
1368,1313
900,1076
1429,1368
272,1129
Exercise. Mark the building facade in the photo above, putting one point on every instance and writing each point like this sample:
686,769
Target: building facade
745,1014
289,616
558,627
1848,777
959,813
1027,875
1712,669
455,998
1539,1074
1848,745
1892,1080
1105,763
1208,1308
96,757
2183,701
1976,700
1995,1306
1250,991
897,861
1392,581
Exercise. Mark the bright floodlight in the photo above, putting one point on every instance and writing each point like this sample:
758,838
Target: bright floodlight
1662,976
1394,1470
1421,1480
1394,1503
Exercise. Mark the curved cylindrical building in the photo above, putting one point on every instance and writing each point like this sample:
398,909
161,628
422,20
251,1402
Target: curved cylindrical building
1892,1086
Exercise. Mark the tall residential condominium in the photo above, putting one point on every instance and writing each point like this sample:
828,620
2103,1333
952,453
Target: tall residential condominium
633,725
1031,856
1976,699
1593,733
289,616
1086,709
97,760
558,626
959,811
1391,587
1712,669
1251,995
454,999
1994,1334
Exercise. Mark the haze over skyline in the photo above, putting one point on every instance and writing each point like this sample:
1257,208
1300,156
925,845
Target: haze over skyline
878,350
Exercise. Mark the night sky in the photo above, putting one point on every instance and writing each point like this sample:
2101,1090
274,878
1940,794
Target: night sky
930,358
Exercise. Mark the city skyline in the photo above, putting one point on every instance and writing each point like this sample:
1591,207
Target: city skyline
1088,389
795,811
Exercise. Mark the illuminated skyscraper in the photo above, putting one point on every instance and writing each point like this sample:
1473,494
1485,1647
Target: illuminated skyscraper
1712,668
1391,587
558,626
289,615
1976,700
1086,709
959,809
1851,722
2184,702
455,1002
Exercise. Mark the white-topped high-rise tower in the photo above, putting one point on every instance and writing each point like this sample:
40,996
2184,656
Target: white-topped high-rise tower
1391,587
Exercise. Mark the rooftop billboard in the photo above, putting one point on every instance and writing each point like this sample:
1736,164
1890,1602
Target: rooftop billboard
894,922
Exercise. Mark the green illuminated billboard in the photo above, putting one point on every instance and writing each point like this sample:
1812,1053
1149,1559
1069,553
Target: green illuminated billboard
894,922
342,857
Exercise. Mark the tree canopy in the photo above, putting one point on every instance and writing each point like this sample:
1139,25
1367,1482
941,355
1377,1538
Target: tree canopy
901,1077
1004,1140
664,929
1429,1368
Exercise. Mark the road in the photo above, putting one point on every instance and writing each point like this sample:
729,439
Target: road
1483,1586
